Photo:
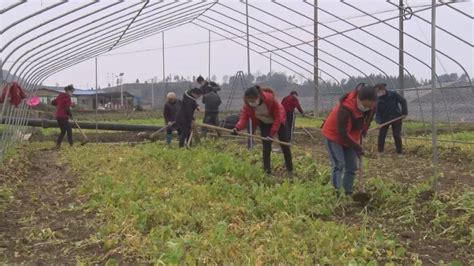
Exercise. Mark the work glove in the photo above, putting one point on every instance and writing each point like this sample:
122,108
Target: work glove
234,131
269,139
170,123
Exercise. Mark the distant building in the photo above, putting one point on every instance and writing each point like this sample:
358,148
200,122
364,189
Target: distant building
86,99
48,95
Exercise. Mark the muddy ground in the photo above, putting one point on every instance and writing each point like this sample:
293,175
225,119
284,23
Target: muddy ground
46,223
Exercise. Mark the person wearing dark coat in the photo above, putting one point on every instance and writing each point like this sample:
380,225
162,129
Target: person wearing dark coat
207,86
390,105
185,117
211,101
63,105
170,112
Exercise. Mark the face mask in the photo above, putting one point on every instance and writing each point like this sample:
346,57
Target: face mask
254,103
380,93
361,107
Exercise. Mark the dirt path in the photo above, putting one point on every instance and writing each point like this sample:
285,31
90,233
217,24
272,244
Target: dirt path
46,224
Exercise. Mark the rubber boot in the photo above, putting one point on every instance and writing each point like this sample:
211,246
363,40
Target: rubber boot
169,137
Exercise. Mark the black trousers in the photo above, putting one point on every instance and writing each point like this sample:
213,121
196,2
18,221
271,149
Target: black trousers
184,135
63,124
210,119
267,147
290,116
397,136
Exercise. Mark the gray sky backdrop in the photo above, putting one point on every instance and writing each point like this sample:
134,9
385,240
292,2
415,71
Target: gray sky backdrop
143,59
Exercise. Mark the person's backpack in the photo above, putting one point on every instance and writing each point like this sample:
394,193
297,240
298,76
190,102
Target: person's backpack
230,121
214,86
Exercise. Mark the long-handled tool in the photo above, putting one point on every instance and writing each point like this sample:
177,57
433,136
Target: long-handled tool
243,134
361,196
82,133
196,136
190,138
154,134
292,126
386,123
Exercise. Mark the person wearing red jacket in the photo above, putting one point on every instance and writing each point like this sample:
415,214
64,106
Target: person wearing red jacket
343,129
265,111
63,105
291,102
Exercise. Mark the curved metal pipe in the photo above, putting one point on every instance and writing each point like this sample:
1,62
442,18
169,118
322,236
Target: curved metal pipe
279,39
45,23
438,27
418,40
258,52
101,41
71,38
31,15
90,54
309,63
290,61
337,33
8,8
59,27
95,40
340,47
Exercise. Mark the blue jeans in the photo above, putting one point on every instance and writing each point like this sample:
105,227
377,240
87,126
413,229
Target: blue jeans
344,165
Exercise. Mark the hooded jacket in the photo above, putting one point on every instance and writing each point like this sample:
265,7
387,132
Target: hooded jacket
185,115
274,108
345,124
63,104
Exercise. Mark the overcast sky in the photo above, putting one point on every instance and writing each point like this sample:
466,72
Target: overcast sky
186,47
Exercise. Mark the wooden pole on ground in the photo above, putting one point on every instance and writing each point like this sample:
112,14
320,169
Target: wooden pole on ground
243,134
386,123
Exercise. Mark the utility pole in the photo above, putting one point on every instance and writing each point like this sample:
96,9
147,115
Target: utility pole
152,94
121,90
163,46
96,100
250,129
401,73
433,91
316,59
209,70
248,35
270,64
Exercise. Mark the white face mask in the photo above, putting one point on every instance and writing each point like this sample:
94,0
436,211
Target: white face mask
380,93
361,107
254,103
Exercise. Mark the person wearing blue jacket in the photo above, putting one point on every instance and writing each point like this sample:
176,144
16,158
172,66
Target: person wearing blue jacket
390,105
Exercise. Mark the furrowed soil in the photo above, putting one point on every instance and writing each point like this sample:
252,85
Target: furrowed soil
45,220
45,223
